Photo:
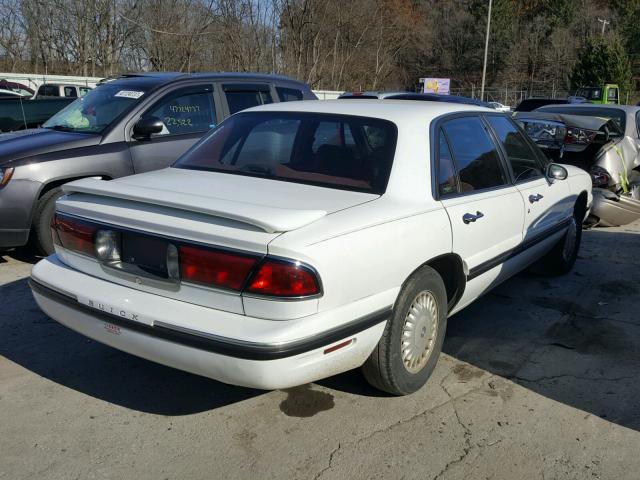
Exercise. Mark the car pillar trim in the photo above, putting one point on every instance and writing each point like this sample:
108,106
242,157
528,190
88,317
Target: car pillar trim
217,344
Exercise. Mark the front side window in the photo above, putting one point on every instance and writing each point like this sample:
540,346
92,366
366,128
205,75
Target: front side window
336,151
522,158
95,111
185,110
475,154
242,96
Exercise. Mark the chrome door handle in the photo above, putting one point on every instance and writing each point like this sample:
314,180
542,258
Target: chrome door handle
467,218
535,198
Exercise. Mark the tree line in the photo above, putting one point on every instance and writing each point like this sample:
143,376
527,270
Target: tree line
330,44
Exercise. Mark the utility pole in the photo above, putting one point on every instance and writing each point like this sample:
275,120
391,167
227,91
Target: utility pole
486,51
604,24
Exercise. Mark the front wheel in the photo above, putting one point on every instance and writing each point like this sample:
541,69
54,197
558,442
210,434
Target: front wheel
562,257
409,348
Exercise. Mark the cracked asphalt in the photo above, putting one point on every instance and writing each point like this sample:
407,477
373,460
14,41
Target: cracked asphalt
538,379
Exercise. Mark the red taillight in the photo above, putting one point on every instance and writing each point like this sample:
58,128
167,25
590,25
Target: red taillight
213,267
283,279
579,136
74,234
599,176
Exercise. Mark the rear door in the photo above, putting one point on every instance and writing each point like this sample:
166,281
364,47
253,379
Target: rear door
187,113
486,211
547,203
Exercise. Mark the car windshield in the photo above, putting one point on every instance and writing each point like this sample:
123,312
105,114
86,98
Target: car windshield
337,151
96,110
615,114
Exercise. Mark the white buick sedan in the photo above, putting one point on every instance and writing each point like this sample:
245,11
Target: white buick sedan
300,240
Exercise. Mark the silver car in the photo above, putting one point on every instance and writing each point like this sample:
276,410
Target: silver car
607,145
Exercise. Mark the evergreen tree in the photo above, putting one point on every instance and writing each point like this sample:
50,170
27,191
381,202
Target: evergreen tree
602,61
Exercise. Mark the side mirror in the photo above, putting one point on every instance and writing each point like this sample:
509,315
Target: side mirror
556,172
146,127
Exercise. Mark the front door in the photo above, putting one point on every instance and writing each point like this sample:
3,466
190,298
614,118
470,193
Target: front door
548,203
187,113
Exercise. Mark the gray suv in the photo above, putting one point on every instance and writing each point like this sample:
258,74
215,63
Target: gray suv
132,124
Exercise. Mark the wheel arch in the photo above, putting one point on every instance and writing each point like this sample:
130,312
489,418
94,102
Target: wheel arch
450,268
57,182
581,203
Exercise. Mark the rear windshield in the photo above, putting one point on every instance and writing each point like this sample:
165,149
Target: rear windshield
615,114
337,151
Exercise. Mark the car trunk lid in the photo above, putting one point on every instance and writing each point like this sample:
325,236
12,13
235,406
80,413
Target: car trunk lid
271,206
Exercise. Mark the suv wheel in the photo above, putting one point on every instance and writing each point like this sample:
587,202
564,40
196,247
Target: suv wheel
41,226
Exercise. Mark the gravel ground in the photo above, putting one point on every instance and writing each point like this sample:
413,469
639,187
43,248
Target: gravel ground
539,379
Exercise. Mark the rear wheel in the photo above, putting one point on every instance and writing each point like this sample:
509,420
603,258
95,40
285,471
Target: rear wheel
409,348
41,226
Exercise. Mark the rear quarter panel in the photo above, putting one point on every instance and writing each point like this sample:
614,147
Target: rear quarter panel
369,250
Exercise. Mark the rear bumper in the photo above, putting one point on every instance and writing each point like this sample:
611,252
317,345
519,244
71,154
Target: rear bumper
16,205
266,365
13,237
614,210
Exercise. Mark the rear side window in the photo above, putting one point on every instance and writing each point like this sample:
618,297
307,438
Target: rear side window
612,95
49,91
337,151
242,96
475,155
70,92
289,94
186,110
522,158
447,183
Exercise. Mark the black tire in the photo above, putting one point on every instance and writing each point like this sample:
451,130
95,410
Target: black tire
385,368
562,257
41,225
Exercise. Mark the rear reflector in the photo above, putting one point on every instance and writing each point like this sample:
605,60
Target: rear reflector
283,279
213,267
338,346
74,234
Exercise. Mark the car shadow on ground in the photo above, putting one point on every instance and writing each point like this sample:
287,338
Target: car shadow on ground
572,339
22,254
43,346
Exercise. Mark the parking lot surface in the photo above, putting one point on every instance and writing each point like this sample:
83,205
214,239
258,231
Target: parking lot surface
539,379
